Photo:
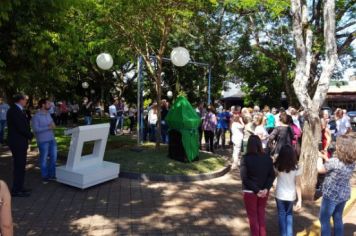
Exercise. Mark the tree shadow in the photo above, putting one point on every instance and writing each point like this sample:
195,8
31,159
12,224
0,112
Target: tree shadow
131,207
350,229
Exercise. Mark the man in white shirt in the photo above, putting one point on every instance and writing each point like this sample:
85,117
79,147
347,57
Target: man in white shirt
113,117
343,125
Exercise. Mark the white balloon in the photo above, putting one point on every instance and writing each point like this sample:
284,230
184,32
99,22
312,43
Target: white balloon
104,61
169,94
180,56
85,85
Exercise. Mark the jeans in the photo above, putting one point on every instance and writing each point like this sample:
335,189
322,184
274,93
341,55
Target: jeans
152,133
48,165
88,120
120,122
256,210
221,132
113,125
330,208
164,132
285,217
2,130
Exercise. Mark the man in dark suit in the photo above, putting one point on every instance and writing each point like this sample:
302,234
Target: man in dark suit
19,134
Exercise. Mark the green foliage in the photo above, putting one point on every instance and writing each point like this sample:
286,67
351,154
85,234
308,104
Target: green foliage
260,74
147,102
275,7
50,47
6,6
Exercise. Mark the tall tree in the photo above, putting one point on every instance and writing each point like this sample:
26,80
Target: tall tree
145,26
31,46
303,35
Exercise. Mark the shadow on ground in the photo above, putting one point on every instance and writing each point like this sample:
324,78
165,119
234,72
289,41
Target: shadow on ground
130,207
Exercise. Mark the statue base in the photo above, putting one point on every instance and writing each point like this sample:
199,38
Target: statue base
88,176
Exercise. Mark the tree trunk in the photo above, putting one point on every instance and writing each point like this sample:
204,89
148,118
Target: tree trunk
302,33
309,155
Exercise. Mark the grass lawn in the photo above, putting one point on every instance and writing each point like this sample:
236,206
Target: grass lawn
153,161
120,149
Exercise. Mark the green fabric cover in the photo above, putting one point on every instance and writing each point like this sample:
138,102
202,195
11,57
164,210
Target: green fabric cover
183,117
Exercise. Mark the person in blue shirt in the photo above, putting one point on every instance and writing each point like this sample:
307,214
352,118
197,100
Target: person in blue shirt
223,118
43,127
270,120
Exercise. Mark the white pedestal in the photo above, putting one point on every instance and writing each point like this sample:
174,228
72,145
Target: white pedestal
89,170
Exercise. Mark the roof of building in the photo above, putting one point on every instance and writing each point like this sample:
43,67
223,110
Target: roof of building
344,88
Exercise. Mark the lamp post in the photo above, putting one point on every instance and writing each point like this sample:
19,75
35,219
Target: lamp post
284,102
179,57
104,61
85,85
169,94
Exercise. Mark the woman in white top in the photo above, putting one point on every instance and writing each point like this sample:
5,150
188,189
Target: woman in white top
237,129
152,122
6,226
261,131
288,187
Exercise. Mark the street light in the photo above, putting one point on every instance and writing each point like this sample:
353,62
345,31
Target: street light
180,56
284,101
104,61
85,85
283,96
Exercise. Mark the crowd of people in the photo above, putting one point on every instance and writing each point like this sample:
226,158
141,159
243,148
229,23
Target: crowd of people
266,146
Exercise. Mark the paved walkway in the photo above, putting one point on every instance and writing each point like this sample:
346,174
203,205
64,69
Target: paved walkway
130,207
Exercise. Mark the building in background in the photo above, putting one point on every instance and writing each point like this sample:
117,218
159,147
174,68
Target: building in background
342,94
232,95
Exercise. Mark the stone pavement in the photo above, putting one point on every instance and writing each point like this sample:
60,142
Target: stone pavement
130,207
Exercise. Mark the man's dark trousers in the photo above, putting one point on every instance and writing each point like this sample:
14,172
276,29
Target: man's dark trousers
19,154
19,133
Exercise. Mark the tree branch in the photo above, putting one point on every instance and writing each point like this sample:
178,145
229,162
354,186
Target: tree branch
330,54
346,43
345,26
342,11
345,35
300,82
